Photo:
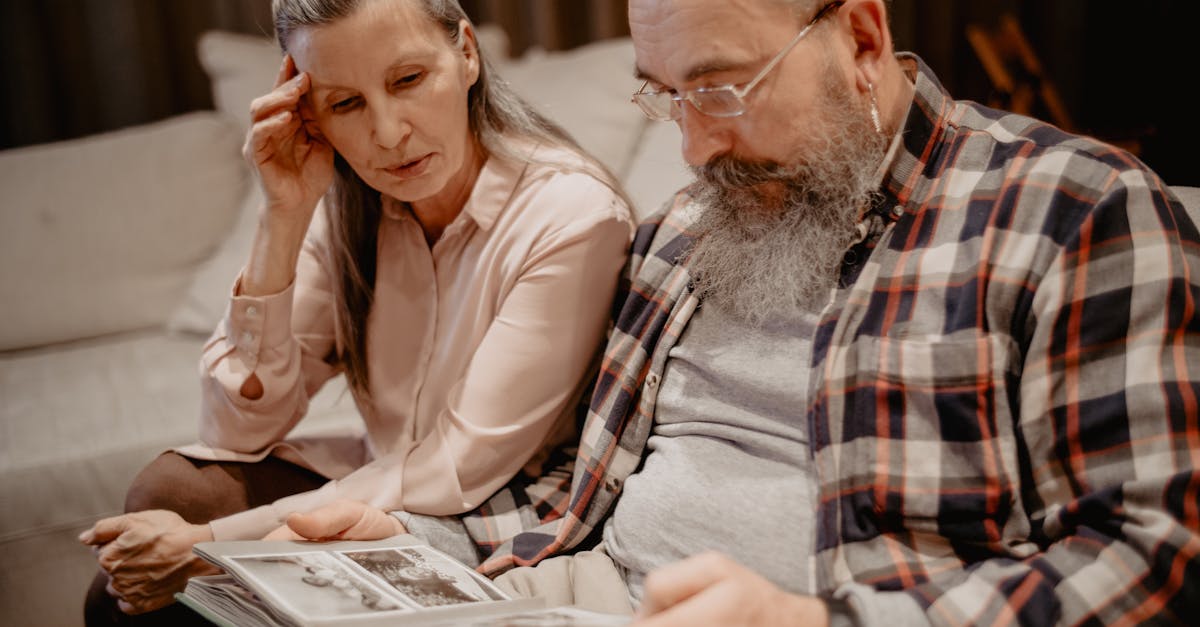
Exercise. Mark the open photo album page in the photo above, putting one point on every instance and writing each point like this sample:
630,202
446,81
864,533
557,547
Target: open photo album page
329,584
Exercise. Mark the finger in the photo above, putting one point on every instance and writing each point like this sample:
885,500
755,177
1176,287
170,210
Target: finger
375,524
142,607
281,125
266,136
105,530
283,532
286,96
112,590
674,583
287,69
110,558
717,604
310,121
328,521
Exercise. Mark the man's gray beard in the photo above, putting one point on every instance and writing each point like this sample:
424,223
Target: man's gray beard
772,236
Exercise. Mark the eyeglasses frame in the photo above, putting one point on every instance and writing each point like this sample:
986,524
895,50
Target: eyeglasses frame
739,93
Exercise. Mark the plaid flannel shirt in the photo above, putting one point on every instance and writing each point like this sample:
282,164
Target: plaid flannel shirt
1004,413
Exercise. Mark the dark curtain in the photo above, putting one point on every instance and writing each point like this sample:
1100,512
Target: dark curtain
74,67
552,24
1124,70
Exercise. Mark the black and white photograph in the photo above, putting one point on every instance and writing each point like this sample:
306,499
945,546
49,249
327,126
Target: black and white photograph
315,585
425,576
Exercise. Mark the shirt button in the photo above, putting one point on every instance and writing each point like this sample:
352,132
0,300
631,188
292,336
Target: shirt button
247,337
612,485
652,380
251,311
897,211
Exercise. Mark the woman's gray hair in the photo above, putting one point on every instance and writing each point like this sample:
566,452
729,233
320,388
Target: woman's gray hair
496,115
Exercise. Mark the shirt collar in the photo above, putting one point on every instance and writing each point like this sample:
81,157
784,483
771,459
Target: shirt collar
494,189
924,125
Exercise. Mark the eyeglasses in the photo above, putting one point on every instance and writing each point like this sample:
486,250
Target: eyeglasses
721,101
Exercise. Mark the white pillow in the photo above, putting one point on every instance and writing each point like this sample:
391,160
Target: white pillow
102,234
586,91
208,294
240,68
657,170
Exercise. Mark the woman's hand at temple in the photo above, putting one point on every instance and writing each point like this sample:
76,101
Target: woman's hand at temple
285,147
295,168
340,520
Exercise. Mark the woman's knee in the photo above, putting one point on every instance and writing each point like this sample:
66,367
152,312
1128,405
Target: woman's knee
197,491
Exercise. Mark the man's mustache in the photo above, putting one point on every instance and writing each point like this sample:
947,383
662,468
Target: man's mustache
731,171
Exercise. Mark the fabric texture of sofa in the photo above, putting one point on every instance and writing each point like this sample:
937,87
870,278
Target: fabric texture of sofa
116,256
117,253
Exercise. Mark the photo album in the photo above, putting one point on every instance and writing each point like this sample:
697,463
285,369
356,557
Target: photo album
396,581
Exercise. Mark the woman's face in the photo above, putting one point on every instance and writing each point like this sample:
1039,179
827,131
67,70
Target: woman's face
389,93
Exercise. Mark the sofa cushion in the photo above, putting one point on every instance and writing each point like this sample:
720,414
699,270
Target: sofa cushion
79,420
240,68
208,294
102,234
585,90
657,169
77,423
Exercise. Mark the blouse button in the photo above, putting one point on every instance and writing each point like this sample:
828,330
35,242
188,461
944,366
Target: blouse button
252,311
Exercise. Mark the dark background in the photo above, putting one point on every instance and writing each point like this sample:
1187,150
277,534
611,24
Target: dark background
1124,69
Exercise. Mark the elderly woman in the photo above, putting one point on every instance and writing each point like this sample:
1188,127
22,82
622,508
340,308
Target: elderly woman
425,234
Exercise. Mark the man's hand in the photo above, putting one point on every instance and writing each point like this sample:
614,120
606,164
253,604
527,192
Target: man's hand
711,589
340,520
148,557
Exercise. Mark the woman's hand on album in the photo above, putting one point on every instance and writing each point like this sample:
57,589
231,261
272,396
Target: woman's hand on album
340,520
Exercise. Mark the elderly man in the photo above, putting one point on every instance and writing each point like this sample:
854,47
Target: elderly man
903,358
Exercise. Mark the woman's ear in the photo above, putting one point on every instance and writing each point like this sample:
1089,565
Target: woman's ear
470,50
868,25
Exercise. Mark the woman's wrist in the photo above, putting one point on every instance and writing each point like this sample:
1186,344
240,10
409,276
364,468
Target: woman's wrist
274,254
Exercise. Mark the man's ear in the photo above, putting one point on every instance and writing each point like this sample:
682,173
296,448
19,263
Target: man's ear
470,49
868,25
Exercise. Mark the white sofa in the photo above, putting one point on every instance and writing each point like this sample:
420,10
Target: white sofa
116,253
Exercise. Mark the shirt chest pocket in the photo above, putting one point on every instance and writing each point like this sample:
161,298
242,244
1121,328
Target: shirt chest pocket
931,423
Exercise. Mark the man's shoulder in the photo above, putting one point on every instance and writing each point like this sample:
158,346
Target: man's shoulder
1040,177
1020,146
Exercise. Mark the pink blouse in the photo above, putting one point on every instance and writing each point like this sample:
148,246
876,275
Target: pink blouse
476,347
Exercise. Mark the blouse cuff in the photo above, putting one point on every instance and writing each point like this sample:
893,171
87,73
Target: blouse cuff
258,323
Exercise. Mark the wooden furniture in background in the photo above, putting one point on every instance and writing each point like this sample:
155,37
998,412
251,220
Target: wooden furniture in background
1020,85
